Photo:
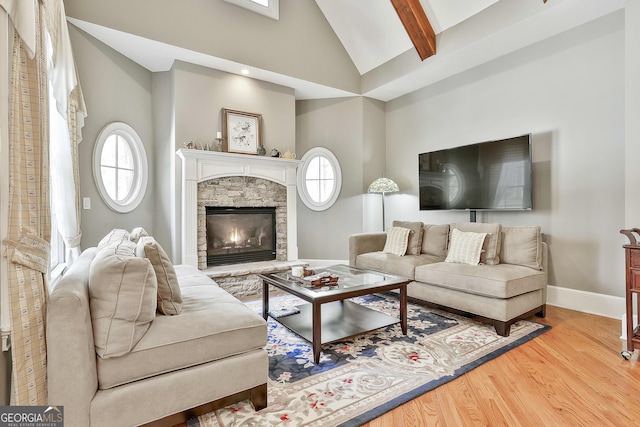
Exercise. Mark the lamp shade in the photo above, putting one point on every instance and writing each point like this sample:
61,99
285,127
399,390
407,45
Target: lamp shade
383,185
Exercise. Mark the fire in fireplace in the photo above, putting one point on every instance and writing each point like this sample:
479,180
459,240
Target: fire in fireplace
238,235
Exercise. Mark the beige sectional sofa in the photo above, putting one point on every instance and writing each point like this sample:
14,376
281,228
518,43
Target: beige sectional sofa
504,282
132,339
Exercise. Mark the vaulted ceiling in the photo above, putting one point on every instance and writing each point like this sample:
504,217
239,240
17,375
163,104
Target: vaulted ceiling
373,34
468,33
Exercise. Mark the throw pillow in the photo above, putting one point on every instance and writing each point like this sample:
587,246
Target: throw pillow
522,246
169,295
465,247
435,240
415,237
122,291
113,236
397,240
137,233
492,243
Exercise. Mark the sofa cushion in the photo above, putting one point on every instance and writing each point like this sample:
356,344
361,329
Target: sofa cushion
498,281
415,237
397,241
393,264
213,325
522,246
492,244
169,297
115,235
123,298
465,247
435,239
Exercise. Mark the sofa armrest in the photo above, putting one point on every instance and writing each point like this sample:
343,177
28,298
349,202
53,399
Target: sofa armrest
363,243
71,353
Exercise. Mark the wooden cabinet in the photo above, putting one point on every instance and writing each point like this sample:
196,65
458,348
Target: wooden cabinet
632,255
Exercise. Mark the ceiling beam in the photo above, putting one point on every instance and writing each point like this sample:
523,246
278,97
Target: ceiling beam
417,25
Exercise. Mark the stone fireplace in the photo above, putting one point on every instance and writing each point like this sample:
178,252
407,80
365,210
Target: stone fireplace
228,180
234,199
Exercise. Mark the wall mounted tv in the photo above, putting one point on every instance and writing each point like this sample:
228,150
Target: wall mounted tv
493,175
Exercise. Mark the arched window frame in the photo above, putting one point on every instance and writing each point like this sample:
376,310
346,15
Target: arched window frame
141,169
303,192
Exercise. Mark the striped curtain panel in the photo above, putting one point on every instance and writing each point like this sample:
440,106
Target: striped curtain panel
29,220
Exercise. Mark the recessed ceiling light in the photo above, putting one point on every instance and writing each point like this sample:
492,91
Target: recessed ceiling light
244,71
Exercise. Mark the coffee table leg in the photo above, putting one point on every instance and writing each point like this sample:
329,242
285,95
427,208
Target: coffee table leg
316,324
403,309
265,299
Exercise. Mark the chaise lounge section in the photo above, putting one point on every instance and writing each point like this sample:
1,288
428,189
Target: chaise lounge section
505,281
121,352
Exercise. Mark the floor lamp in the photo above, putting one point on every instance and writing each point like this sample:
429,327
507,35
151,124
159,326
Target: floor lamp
383,185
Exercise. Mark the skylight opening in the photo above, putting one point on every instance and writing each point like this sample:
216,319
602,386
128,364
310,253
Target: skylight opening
270,8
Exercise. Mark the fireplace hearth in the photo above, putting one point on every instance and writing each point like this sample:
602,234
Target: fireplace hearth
240,234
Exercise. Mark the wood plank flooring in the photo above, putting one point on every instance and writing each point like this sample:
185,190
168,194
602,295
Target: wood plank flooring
572,375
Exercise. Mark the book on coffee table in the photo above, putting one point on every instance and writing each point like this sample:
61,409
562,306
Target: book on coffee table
276,314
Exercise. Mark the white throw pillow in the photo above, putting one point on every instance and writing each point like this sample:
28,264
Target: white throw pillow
415,236
465,247
115,235
397,240
137,233
492,243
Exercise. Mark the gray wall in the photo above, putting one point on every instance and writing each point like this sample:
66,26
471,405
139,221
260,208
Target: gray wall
164,160
632,111
115,89
300,44
569,93
353,130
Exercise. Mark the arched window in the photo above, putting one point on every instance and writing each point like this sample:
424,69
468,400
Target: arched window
120,167
319,179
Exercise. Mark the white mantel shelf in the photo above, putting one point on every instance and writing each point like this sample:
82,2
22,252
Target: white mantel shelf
201,165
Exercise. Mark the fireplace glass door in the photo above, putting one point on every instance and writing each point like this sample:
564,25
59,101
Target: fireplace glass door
239,235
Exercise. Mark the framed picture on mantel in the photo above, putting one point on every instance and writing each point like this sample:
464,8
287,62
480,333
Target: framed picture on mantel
242,131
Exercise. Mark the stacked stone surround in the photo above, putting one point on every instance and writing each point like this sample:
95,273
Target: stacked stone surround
241,191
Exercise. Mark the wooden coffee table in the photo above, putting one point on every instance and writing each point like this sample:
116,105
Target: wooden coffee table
328,315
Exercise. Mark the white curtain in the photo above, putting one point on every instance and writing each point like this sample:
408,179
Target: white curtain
66,117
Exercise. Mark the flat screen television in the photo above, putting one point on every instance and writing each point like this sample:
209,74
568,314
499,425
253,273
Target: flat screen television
493,175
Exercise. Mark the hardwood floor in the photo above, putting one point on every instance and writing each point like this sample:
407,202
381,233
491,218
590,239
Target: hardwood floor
572,375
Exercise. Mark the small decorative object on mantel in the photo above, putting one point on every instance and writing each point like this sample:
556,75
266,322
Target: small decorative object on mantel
218,144
261,150
275,153
242,131
190,145
289,155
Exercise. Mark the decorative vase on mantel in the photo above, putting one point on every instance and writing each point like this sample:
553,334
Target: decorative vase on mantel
261,150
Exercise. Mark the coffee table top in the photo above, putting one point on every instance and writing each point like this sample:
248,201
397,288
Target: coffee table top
351,280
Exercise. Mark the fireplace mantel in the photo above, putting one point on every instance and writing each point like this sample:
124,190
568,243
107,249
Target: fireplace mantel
200,165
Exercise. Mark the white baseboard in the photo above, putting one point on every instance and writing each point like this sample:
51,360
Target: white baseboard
586,302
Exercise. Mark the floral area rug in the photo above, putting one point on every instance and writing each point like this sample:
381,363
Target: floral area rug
361,378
